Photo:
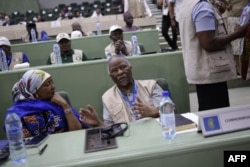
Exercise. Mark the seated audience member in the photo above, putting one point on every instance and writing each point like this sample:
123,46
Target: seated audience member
141,96
12,58
96,13
129,20
68,54
27,36
7,21
77,27
118,45
77,15
39,19
42,110
62,16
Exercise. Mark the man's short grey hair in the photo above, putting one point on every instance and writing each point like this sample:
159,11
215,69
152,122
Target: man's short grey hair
117,56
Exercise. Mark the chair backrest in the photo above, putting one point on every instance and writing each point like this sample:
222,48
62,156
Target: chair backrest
65,95
162,82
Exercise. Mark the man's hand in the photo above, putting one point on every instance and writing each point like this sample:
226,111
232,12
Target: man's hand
144,110
120,47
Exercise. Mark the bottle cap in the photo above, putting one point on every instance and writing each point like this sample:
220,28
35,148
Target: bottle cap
165,94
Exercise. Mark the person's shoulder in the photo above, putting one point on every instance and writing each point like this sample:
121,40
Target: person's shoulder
77,50
203,5
109,91
108,46
147,82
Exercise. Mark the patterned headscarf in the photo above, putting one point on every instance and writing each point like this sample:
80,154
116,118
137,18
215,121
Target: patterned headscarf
28,85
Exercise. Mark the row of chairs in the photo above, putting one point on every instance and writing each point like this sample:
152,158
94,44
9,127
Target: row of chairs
108,7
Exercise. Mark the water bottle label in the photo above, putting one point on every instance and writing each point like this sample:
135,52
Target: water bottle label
167,120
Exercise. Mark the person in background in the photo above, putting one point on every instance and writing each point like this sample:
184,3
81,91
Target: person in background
118,7
77,15
96,13
207,52
77,27
12,58
174,7
44,36
138,8
128,96
1,18
166,24
42,110
7,21
68,54
29,26
39,19
118,45
232,14
129,20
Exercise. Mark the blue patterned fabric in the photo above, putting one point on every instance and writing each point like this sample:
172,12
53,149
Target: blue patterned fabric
41,116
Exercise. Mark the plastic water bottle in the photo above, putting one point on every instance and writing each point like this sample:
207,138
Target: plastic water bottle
3,61
135,46
14,132
33,35
57,53
167,116
98,28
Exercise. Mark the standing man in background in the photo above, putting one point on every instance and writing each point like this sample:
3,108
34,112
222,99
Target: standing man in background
234,9
207,52
166,23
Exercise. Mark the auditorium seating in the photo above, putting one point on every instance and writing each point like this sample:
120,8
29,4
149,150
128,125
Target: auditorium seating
93,47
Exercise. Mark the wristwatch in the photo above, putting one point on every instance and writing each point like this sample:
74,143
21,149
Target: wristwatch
67,111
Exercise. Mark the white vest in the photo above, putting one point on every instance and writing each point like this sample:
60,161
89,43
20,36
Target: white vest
202,67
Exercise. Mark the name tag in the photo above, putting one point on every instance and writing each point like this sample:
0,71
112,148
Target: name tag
224,120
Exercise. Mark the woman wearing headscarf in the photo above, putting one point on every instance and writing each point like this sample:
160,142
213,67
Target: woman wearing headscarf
42,110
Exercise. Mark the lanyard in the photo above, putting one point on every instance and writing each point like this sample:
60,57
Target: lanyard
125,97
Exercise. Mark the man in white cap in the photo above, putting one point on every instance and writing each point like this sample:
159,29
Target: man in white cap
12,58
68,54
118,46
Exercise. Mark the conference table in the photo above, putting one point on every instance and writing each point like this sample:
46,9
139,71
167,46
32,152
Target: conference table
142,145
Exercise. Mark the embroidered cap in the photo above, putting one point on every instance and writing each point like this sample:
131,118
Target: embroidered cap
61,36
4,41
114,27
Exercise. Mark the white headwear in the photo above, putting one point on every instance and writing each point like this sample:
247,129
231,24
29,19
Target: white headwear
76,34
4,41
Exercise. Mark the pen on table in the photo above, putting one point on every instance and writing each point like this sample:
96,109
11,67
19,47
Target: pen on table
43,149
